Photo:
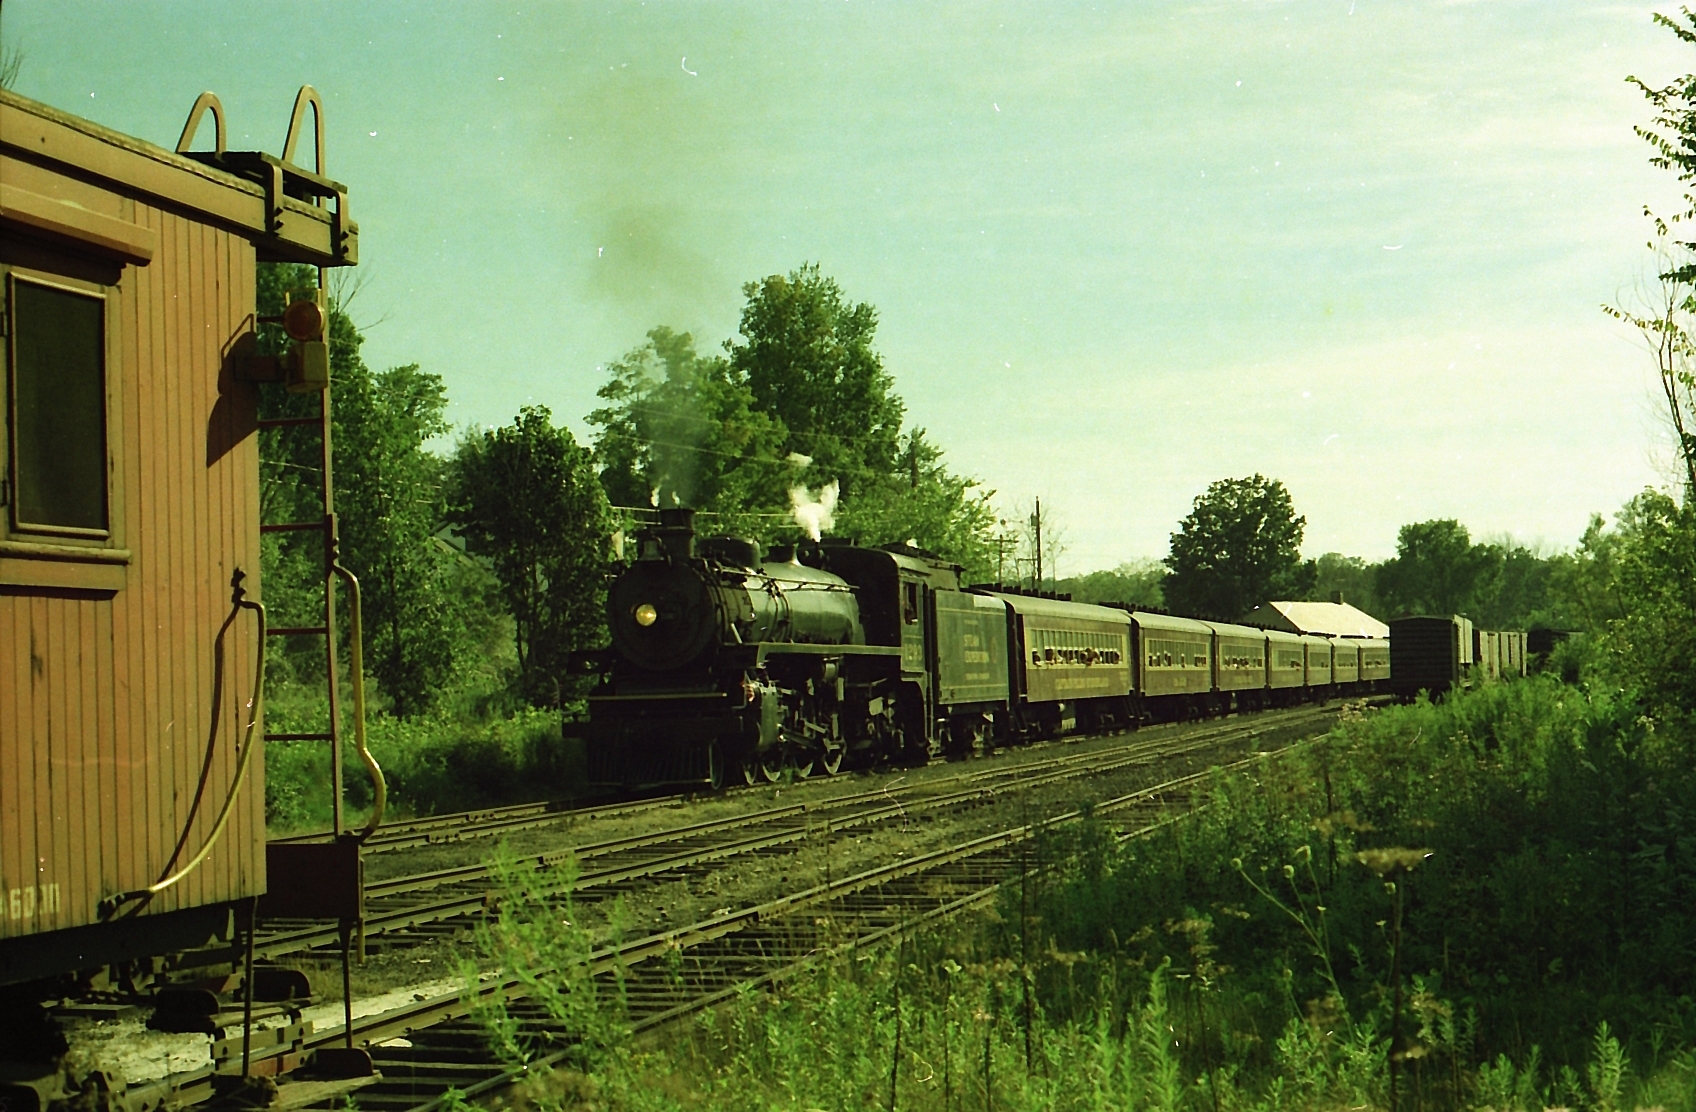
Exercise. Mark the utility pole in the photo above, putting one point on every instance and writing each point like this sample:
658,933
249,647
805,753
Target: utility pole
1005,541
1036,528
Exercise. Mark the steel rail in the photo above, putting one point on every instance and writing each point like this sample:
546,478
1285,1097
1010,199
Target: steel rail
488,821
630,861
926,889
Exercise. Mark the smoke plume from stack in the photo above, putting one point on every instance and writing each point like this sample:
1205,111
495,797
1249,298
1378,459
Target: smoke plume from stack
814,516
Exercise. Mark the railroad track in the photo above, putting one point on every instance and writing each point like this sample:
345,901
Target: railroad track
460,826
442,903
424,1049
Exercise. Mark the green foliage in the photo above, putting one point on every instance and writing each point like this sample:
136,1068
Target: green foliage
1636,584
389,485
1436,570
1138,583
1664,319
525,498
806,354
417,624
801,399
1560,887
532,935
1239,547
435,763
1585,581
923,502
1350,576
679,429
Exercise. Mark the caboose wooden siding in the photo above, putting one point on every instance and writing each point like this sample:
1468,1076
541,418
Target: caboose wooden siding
107,642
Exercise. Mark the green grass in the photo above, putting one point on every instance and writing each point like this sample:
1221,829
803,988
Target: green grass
433,763
1497,893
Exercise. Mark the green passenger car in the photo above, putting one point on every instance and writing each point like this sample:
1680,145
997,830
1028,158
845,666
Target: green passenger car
1286,661
1174,655
971,656
1239,657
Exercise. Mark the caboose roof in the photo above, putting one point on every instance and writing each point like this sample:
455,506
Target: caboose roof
70,146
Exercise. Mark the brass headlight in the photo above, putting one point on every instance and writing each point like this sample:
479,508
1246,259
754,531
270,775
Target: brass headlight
646,615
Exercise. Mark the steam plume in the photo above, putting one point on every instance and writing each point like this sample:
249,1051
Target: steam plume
814,516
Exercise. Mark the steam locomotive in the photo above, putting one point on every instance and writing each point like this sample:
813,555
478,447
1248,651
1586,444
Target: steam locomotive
724,665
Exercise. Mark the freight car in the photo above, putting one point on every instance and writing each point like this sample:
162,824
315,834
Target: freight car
1436,653
132,634
723,664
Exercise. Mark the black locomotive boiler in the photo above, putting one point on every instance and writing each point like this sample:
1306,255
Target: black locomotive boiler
727,665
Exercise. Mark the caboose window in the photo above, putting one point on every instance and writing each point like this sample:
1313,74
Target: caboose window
56,409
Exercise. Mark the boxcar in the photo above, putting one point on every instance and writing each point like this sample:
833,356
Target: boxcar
131,505
1487,653
1429,654
1514,659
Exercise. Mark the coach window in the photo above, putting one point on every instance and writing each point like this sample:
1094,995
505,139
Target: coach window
60,518
57,410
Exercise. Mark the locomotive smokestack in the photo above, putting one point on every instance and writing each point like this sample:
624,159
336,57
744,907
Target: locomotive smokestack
677,532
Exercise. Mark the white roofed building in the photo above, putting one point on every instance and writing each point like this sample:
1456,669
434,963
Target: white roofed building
1328,619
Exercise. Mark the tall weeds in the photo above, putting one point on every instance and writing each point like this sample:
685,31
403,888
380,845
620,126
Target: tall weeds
1485,904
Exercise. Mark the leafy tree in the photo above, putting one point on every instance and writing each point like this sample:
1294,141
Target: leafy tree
1138,583
801,400
1516,591
1584,583
388,506
1239,547
806,354
1350,576
1634,586
1665,320
680,429
1437,570
920,500
526,498
392,485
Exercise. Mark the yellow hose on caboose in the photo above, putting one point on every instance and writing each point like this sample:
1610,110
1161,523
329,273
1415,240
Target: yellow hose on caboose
110,905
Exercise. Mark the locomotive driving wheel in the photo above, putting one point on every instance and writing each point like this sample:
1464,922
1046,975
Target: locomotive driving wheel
830,760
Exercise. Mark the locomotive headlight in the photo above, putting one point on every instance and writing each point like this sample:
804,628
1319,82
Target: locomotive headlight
646,615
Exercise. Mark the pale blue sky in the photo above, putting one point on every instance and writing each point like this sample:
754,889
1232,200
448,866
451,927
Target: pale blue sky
1119,251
